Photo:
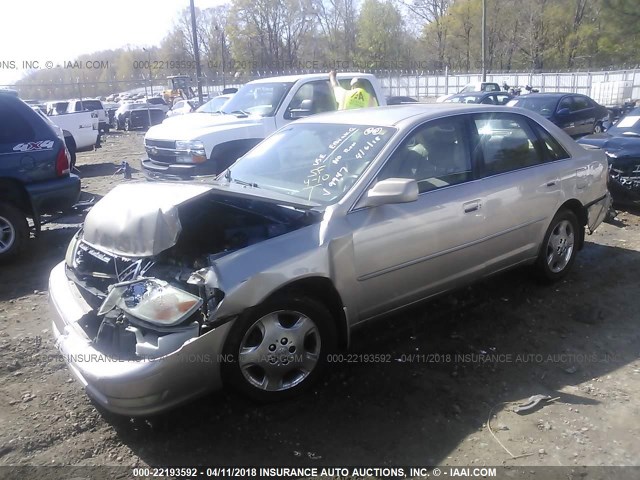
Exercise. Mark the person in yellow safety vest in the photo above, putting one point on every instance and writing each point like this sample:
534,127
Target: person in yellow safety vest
356,97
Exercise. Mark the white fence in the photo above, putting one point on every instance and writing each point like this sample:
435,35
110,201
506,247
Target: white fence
423,86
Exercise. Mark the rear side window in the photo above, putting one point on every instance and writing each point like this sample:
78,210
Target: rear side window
507,143
550,145
580,103
90,105
14,128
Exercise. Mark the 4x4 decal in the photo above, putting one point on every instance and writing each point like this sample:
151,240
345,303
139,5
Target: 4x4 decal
33,146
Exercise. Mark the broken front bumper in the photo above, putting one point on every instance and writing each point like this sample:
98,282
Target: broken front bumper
126,387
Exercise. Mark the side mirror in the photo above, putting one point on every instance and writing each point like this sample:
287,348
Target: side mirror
563,111
391,190
296,113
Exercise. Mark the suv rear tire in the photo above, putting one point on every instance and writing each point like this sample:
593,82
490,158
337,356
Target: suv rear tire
14,231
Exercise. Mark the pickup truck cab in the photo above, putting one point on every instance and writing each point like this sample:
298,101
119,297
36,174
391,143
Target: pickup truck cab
204,143
34,173
91,105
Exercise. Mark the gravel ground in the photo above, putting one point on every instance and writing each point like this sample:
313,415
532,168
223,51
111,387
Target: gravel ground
455,364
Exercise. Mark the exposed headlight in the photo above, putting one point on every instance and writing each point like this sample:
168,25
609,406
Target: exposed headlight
193,151
151,300
70,256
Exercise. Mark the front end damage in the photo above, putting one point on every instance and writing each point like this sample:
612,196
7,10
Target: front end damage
136,302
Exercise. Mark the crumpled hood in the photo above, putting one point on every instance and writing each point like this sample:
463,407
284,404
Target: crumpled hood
139,219
194,125
619,146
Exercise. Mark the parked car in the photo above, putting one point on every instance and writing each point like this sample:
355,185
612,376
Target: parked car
34,173
91,105
159,103
137,115
253,280
191,146
215,104
400,100
576,114
181,107
473,87
488,98
622,146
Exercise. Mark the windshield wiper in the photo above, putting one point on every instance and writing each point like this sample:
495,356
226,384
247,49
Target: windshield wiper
227,177
239,112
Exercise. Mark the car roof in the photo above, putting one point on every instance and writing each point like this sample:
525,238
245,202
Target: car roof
310,76
395,115
547,95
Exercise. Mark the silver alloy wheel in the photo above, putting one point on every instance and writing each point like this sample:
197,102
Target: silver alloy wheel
279,350
560,246
7,235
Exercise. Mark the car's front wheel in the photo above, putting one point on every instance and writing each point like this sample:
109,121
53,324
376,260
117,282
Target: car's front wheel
14,231
279,348
559,248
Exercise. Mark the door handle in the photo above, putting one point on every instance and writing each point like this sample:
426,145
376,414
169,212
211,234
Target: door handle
552,183
472,206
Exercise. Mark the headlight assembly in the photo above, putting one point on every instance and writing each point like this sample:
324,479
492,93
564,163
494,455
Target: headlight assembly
151,300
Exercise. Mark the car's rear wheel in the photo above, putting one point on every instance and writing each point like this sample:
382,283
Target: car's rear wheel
127,124
14,231
559,248
279,348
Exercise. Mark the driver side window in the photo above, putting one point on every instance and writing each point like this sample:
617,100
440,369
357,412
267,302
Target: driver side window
312,98
435,154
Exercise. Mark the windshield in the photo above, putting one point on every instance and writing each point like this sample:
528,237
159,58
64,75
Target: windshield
627,125
314,162
214,105
258,99
543,106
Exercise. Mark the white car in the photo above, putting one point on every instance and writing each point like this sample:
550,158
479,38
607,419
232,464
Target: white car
215,104
181,107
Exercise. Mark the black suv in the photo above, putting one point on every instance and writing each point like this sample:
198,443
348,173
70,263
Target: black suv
34,173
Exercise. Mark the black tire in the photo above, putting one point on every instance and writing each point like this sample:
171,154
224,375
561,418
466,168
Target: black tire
14,231
71,146
555,260
127,124
598,128
283,353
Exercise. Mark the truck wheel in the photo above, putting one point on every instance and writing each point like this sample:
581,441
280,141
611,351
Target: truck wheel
14,231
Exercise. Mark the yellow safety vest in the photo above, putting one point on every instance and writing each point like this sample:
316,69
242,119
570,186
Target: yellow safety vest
356,98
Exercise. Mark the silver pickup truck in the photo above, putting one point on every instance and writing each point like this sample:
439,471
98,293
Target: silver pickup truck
205,143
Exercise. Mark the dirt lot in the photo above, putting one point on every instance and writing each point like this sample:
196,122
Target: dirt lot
478,351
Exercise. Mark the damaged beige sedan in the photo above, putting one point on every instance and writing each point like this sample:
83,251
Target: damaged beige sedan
173,290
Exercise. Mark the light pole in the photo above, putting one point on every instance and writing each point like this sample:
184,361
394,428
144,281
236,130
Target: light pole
196,51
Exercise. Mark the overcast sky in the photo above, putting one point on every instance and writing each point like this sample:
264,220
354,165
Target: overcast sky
57,31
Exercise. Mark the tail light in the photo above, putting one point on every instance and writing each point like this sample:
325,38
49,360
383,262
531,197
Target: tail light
62,162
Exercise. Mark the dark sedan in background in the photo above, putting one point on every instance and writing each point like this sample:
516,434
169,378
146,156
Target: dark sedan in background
137,115
576,114
622,146
486,98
